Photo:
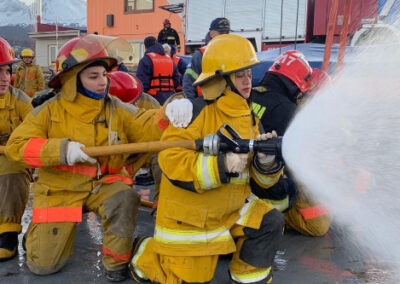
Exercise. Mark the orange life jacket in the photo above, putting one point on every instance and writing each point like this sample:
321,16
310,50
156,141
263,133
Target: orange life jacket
176,60
163,68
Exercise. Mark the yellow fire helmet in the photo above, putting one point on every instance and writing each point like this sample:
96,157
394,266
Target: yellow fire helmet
27,52
224,55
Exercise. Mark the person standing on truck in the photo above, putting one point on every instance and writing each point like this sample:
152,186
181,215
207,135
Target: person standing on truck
218,27
169,35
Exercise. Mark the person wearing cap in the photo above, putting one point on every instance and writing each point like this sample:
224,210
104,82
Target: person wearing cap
205,202
274,102
29,76
157,72
217,27
14,184
51,137
169,35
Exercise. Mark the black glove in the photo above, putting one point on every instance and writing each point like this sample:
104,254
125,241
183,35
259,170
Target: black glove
38,100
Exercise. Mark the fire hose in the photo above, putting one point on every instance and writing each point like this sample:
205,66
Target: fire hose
212,144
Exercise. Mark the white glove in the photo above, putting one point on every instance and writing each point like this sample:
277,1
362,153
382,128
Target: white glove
179,112
235,163
76,155
262,158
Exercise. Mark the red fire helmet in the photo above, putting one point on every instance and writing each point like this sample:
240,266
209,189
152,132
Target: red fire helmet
90,48
293,65
7,56
126,87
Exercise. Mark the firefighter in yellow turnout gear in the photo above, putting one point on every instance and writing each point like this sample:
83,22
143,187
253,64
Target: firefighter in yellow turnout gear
29,77
202,208
14,184
51,137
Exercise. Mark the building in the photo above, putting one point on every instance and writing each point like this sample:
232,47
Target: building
133,20
48,39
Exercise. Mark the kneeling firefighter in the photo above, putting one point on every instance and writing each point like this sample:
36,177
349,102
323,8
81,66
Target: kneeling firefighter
14,184
275,103
82,112
205,200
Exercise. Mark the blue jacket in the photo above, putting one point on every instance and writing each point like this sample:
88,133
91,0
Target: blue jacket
192,72
145,68
182,65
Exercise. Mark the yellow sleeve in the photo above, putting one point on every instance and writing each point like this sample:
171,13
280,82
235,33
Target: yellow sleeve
29,145
196,172
140,125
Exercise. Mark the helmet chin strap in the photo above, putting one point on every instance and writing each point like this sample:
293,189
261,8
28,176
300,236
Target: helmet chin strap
231,85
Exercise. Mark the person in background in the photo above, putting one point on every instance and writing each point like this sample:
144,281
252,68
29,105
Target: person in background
218,27
169,35
29,77
157,72
179,62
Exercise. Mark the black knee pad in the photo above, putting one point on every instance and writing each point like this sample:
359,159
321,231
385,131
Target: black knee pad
260,247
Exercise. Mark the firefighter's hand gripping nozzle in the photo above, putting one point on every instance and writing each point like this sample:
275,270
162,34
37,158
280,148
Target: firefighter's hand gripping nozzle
220,142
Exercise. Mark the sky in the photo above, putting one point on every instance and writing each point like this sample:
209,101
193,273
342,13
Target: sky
27,2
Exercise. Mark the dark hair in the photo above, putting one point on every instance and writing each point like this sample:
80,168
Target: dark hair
149,41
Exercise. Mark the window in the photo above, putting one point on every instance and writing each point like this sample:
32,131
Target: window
138,51
52,54
137,6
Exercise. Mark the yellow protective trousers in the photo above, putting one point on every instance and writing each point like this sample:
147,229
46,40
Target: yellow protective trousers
251,262
308,217
50,245
14,192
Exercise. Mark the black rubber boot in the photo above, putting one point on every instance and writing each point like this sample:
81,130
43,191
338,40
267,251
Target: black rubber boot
8,245
145,179
117,275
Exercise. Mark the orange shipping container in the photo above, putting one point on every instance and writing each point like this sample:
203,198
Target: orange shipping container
133,20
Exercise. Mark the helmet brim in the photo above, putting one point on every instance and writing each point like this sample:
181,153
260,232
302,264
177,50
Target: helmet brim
11,62
205,77
55,80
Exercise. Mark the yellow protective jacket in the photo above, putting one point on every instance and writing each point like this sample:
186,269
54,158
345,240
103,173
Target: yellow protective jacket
14,107
199,203
137,161
29,78
42,138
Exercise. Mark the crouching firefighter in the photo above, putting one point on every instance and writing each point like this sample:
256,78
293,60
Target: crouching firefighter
51,137
205,202
14,183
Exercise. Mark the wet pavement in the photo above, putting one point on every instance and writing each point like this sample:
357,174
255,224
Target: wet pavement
300,259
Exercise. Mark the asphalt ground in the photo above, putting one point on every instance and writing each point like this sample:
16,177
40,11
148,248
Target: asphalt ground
300,259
